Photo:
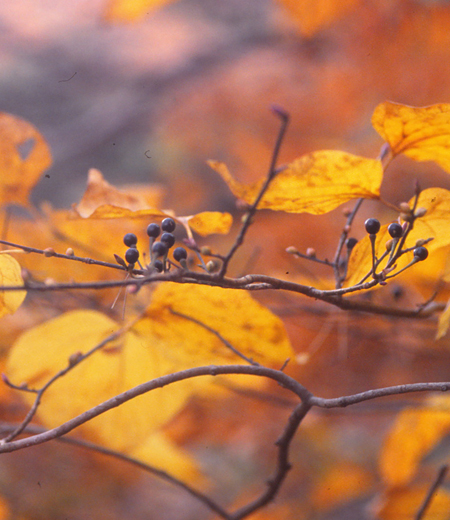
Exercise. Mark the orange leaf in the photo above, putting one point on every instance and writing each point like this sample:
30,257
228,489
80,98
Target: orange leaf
20,169
10,274
131,10
313,15
421,133
415,432
210,222
315,183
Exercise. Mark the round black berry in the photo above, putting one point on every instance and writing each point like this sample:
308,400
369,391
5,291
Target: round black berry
159,249
168,224
153,230
130,239
168,239
421,253
372,226
132,255
395,230
159,266
179,253
351,243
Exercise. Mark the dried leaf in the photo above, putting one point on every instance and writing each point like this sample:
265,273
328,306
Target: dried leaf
99,193
210,222
131,10
10,274
421,133
415,432
315,183
24,156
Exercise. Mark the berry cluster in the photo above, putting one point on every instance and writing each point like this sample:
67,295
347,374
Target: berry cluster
159,249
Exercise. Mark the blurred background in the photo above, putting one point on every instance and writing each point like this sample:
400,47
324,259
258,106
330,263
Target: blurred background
148,97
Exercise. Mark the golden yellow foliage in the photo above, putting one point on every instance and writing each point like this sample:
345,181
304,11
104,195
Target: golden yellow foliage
434,224
10,274
241,320
421,133
404,504
315,183
131,10
415,432
313,15
19,172
124,363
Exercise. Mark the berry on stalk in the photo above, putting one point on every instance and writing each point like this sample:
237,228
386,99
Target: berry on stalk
130,239
372,226
179,253
351,243
395,230
153,230
168,239
421,253
168,225
132,255
159,249
159,266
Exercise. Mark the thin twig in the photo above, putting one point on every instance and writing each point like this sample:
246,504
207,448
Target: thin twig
284,116
435,486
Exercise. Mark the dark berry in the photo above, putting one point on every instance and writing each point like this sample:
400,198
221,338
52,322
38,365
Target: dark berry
395,230
132,255
351,243
168,225
168,239
179,253
159,266
159,249
421,253
372,226
153,230
130,239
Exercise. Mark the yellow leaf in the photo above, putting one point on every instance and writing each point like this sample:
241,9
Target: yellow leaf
435,224
210,222
44,350
131,10
10,274
313,15
415,432
20,170
404,504
100,193
421,133
315,183
241,320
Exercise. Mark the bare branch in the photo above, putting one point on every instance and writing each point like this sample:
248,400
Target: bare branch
435,486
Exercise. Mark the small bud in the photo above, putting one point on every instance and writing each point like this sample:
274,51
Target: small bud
49,281
404,206
212,266
291,250
347,229
245,218
407,217
420,242
70,252
389,244
311,252
347,212
205,250
49,251
420,212
242,205
75,358
26,275
132,289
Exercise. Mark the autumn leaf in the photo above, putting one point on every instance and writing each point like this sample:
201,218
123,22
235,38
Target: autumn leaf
241,320
421,133
101,193
434,224
444,322
10,274
404,504
124,363
415,432
131,10
24,156
315,183
313,15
